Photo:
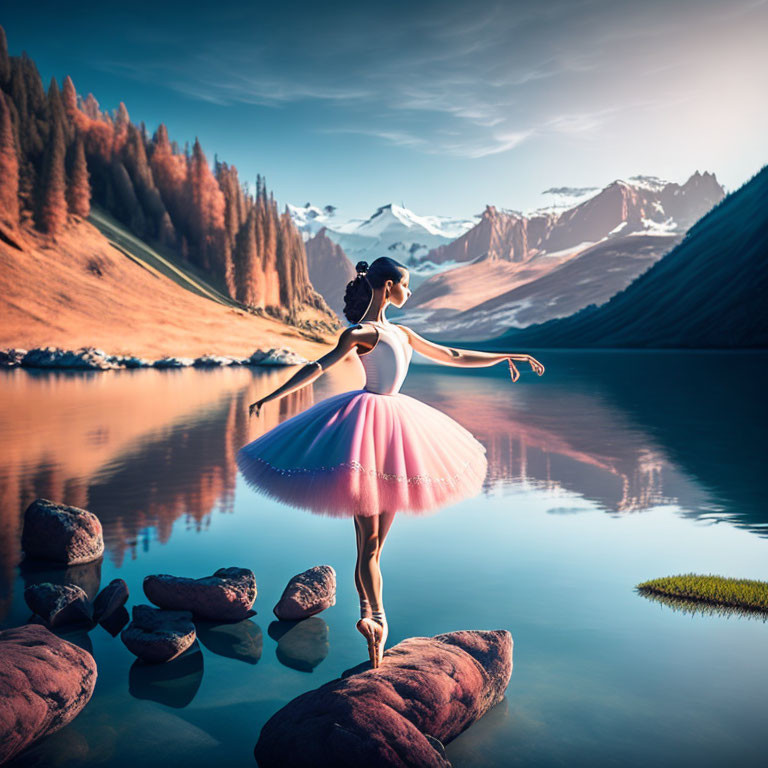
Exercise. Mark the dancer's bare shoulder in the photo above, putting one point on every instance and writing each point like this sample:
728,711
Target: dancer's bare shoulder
412,335
361,336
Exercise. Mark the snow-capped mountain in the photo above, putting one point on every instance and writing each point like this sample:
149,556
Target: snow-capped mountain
708,292
309,219
558,199
397,232
391,230
514,270
391,219
476,277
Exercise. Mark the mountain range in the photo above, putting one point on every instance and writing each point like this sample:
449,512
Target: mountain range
509,268
391,230
707,292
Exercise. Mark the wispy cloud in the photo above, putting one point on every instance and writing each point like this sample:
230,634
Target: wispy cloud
579,122
479,147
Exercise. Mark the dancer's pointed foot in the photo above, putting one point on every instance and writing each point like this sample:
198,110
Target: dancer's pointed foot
380,618
372,631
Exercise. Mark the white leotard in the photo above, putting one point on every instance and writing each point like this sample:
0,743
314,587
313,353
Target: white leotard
386,365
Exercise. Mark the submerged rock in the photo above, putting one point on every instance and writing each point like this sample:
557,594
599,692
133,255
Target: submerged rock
115,622
61,533
58,604
44,683
301,645
227,595
87,576
113,597
425,693
307,593
156,635
241,640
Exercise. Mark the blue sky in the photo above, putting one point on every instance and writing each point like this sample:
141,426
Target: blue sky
442,106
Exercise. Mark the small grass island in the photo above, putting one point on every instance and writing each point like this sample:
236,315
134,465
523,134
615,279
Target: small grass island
721,591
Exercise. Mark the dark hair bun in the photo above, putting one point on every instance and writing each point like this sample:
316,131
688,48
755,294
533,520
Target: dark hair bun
359,292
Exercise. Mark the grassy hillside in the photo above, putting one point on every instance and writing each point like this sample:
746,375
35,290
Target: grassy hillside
103,287
150,258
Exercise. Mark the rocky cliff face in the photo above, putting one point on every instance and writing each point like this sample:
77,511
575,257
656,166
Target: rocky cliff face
503,235
620,208
626,208
521,270
329,270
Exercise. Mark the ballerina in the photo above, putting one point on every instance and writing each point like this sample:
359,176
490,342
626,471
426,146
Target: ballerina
372,452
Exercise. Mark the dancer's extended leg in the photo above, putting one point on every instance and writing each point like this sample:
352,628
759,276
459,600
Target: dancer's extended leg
373,532
385,523
367,571
365,604
368,558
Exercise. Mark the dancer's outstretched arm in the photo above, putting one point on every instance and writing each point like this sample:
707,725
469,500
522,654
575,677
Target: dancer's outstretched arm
349,339
468,358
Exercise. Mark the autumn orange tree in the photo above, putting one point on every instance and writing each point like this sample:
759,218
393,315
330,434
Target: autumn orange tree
61,153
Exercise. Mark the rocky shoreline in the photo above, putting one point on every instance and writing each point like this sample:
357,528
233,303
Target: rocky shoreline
426,691
93,359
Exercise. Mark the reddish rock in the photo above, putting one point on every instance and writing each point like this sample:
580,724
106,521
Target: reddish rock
498,233
308,593
156,635
61,533
113,597
44,683
425,693
228,595
58,604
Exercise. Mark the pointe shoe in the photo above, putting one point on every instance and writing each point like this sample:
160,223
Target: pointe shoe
372,631
380,619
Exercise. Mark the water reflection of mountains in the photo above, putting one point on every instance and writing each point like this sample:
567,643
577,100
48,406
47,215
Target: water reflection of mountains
628,430
623,430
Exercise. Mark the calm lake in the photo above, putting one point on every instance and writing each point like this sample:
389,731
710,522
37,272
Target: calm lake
612,468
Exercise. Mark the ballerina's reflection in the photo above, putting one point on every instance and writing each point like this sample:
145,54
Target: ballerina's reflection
372,452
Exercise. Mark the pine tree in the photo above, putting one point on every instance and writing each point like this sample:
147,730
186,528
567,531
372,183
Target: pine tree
248,274
122,118
91,107
9,168
169,171
79,186
69,96
206,206
56,111
122,123
53,204
5,61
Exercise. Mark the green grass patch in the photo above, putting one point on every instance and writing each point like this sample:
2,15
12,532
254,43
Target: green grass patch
692,590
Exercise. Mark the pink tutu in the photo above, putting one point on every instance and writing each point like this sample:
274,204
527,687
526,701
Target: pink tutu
369,450
361,452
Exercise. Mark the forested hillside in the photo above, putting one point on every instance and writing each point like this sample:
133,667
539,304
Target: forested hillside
59,152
